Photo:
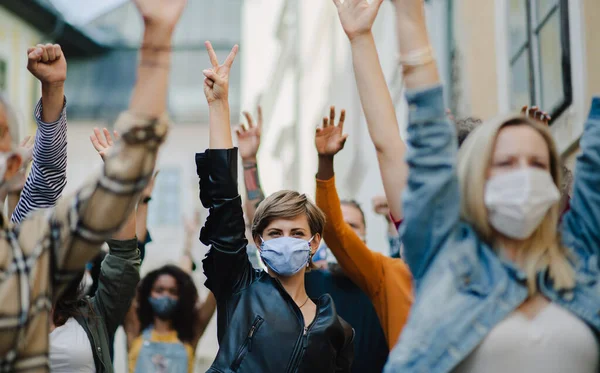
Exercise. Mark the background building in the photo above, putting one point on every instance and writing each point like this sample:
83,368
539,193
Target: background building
509,53
494,56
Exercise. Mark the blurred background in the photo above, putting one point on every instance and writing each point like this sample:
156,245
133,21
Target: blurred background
494,56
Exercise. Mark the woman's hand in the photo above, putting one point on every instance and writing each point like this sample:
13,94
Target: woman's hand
163,14
249,137
216,84
330,139
103,141
536,113
357,16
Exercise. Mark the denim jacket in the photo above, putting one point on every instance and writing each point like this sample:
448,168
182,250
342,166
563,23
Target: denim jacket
463,288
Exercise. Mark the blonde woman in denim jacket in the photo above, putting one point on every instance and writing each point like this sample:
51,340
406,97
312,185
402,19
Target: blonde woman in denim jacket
498,288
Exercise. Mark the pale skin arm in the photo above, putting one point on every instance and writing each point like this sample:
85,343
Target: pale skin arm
357,17
412,36
205,313
248,145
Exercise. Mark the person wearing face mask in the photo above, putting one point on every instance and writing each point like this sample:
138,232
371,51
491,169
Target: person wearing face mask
499,286
170,320
353,304
385,280
82,326
266,320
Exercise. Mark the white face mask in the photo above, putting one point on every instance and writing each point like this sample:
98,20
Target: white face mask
517,201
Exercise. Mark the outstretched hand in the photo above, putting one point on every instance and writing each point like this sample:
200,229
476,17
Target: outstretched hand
536,113
249,137
216,83
330,139
357,16
47,63
160,13
103,141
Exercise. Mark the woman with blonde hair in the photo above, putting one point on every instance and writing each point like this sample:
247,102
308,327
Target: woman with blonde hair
498,287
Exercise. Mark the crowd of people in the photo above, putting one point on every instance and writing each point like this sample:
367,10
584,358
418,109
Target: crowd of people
494,244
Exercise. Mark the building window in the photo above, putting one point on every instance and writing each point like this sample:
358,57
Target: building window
3,76
539,54
165,207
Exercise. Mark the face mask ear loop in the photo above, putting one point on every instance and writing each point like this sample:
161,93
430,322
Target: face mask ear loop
310,253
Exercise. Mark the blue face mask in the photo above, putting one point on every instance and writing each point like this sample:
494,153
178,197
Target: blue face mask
163,307
285,255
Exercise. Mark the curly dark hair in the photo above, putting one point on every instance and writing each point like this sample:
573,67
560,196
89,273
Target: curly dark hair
185,318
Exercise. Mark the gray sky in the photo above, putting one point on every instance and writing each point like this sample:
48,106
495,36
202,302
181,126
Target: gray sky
82,11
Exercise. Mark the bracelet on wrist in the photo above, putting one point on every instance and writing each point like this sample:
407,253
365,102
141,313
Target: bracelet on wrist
156,48
419,57
248,165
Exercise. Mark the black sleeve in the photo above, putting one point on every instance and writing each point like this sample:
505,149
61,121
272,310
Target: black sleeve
345,356
226,265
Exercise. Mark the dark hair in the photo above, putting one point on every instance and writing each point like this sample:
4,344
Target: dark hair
185,316
464,127
356,205
70,301
95,272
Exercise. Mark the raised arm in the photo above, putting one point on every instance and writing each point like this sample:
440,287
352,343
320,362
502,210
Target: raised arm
357,17
226,265
78,225
141,227
205,311
431,202
248,144
582,221
359,263
119,276
48,176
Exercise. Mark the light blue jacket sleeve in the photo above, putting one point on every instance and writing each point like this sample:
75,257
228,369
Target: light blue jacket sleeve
48,177
582,222
431,200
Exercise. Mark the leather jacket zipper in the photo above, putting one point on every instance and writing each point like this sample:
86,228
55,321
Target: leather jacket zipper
301,346
247,345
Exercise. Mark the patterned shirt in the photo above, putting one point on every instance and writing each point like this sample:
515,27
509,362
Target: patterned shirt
48,176
41,255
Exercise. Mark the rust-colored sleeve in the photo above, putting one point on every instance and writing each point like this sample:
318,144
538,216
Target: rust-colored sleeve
360,264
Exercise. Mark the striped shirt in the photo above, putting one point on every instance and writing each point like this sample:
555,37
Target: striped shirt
48,177
50,247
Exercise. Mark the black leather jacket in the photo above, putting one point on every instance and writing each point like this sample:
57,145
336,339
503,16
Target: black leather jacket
260,328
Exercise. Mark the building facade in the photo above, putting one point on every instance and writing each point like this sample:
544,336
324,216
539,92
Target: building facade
510,53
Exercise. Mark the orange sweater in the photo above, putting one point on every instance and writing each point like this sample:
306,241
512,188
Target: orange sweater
387,281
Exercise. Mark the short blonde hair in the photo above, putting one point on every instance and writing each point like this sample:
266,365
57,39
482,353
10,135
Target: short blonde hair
543,250
287,204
